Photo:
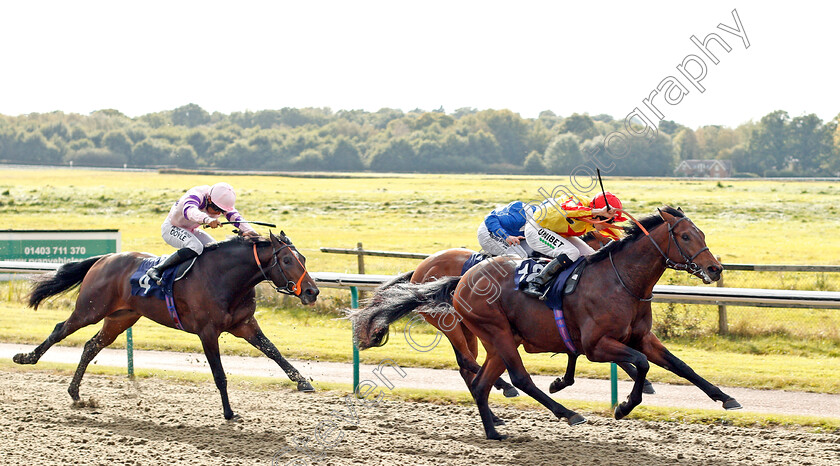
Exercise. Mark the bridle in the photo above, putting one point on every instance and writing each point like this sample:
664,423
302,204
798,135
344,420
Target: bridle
292,288
689,265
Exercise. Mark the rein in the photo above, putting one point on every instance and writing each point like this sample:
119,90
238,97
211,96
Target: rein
291,287
689,265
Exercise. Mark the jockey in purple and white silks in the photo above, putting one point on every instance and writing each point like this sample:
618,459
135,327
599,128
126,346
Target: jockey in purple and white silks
201,205
502,233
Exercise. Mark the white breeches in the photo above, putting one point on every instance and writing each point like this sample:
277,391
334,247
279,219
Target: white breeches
178,237
495,246
552,245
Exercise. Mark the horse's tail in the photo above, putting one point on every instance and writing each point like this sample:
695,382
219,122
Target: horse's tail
66,277
370,323
377,294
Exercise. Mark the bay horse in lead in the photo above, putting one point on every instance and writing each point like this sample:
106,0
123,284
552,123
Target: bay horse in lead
608,317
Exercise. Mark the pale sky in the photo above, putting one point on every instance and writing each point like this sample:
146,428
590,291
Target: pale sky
587,57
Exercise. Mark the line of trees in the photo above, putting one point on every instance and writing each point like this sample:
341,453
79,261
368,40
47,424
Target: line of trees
464,141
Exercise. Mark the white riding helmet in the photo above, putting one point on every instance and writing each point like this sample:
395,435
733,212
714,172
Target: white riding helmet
223,196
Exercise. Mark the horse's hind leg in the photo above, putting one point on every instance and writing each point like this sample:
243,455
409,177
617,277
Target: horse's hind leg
505,347
250,331
491,370
568,378
82,316
464,342
468,369
35,355
110,330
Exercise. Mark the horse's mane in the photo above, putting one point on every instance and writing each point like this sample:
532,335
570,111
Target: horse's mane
633,232
239,241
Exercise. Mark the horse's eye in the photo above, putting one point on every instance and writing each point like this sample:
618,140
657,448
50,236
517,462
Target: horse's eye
685,236
287,261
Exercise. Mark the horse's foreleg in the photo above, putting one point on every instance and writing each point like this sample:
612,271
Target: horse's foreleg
250,331
659,355
210,343
611,350
633,373
111,329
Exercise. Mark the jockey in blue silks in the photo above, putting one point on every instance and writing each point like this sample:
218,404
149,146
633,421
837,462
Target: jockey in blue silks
502,231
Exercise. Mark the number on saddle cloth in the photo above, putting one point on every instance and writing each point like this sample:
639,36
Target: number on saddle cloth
142,285
564,283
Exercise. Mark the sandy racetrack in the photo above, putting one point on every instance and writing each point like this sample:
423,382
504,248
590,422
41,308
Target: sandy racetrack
156,421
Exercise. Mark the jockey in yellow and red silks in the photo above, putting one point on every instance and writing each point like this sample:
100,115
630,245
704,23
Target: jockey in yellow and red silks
557,227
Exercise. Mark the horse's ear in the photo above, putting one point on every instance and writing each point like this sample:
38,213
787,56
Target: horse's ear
665,215
282,233
680,209
273,238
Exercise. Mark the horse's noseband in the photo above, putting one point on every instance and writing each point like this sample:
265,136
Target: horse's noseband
292,288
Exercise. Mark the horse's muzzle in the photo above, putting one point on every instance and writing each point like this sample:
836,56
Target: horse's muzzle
713,272
309,295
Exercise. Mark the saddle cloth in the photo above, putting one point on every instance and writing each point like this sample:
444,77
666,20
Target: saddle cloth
472,261
142,285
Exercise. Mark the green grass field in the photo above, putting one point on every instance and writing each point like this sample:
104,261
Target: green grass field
749,221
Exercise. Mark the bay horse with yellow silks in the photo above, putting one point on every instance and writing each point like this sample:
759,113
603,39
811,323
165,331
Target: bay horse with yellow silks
608,317
450,263
216,296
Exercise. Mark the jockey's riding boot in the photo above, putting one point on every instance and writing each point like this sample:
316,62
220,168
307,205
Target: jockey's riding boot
181,255
535,286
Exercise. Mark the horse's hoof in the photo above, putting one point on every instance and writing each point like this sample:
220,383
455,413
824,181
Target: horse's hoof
496,436
557,385
22,358
233,418
510,392
621,411
576,419
648,389
731,404
497,421
304,386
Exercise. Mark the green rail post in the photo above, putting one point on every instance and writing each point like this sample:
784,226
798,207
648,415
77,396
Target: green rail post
354,304
614,384
129,349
